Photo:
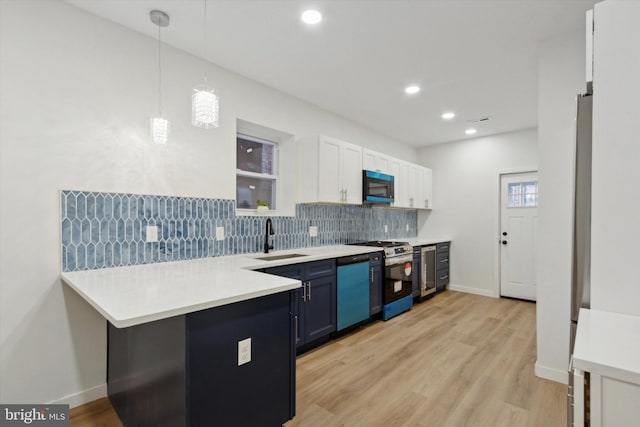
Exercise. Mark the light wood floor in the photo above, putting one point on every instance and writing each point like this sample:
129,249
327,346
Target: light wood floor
455,360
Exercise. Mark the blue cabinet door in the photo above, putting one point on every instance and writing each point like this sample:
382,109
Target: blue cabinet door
320,308
375,291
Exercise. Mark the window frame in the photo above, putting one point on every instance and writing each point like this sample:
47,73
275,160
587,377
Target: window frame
274,202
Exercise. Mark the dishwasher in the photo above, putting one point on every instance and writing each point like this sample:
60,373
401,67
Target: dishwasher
353,290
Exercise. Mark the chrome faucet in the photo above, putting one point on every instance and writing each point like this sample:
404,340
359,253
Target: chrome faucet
268,230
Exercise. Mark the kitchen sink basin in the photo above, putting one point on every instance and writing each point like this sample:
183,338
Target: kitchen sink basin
277,257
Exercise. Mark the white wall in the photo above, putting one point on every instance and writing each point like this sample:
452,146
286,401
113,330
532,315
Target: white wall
561,77
77,94
616,149
466,199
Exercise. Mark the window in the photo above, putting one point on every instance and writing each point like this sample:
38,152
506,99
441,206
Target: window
256,172
523,195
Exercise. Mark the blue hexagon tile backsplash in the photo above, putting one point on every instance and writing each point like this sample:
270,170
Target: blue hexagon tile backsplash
101,230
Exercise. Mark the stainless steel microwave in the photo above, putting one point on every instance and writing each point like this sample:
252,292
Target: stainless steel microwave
377,187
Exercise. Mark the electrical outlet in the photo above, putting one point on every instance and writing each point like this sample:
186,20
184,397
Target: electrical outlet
313,231
386,229
244,351
152,234
219,233
407,227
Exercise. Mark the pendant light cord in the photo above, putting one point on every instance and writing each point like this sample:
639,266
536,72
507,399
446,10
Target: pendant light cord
204,43
159,71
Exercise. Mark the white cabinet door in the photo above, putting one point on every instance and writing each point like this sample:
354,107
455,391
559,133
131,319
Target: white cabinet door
351,173
395,166
374,161
408,181
369,160
424,191
330,187
614,403
383,164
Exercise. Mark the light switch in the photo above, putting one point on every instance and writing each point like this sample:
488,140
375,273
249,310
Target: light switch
152,233
313,231
219,233
386,229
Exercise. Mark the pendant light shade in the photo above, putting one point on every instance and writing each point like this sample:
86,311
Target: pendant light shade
204,107
160,127
160,130
205,103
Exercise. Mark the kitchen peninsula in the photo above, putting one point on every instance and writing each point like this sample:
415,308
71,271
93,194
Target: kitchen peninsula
177,331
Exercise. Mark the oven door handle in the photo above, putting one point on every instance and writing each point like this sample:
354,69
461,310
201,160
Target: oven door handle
398,260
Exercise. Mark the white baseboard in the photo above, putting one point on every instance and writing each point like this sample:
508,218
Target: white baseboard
475,291
557,375
82,397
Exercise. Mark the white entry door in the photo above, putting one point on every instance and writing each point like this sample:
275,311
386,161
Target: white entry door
518,222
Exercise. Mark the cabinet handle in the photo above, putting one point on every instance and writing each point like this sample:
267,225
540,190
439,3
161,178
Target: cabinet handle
309,284
304,291
296,326
444,260
371,275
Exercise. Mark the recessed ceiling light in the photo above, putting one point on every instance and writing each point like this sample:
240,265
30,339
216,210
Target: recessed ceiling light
311,17
448,115
470,131
412,90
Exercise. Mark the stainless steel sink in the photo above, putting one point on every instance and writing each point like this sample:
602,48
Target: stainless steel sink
277,257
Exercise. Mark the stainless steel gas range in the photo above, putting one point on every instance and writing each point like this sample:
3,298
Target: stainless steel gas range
398,276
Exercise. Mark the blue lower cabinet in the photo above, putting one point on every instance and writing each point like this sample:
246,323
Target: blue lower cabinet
319,308
183,371
315,308
375,283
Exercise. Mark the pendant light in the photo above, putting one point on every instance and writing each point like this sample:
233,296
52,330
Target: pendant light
204,101
159,125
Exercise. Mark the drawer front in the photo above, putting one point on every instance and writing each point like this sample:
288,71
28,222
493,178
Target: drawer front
320,268
294,271
375,259
442,261
442,278
443,247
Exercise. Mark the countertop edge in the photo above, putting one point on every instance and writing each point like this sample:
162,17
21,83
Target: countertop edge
598,340
251,264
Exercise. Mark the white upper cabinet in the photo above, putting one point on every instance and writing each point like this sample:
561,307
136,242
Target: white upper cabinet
424,193
414,187
374,161
330,171
351,173
395,165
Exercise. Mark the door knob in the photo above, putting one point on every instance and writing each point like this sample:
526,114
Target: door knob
504,242
504,233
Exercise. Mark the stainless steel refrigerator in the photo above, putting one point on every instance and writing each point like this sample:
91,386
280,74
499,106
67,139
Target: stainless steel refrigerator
581,262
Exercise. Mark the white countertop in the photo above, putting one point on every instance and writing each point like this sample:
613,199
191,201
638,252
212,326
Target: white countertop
608,344
422,241
128,296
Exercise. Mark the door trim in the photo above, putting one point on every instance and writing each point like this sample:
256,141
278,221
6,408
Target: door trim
497,226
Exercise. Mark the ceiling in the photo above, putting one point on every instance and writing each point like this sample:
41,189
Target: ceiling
476,58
